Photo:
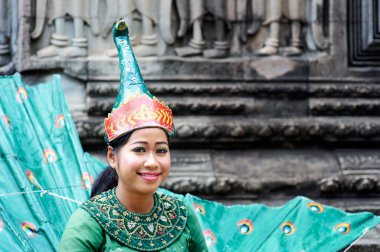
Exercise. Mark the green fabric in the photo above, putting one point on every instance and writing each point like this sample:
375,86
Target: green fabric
131,81
83,233
260,228
144,232
40,149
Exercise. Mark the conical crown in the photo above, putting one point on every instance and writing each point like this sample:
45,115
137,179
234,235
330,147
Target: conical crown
135,106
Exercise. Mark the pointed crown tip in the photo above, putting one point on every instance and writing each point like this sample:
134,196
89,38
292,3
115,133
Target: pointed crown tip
121,25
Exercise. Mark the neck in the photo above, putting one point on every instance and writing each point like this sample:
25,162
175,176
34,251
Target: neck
137,203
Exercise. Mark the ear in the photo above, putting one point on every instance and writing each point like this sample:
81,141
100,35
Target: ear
111,157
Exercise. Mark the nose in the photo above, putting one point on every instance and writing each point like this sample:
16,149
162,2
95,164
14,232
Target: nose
151,161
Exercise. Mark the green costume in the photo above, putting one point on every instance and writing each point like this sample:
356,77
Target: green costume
103,224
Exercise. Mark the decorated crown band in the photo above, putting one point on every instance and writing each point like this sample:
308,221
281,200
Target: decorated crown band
135,106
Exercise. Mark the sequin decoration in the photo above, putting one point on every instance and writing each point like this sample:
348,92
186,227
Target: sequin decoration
315,207
60,121
288,228
200,209
87,181
245,226
153,231
50,156
343,228
209,238
21,95
29,228
32,179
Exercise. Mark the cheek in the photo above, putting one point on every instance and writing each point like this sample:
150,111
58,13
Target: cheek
166,163
131,164
127,163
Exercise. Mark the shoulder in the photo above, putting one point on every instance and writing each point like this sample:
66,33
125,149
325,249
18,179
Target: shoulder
81,218
81,232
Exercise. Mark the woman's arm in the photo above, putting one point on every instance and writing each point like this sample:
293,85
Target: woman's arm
82,233
198,240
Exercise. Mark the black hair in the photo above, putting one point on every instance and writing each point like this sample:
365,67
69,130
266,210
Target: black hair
108,178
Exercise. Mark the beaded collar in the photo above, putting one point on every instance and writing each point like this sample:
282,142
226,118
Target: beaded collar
144,232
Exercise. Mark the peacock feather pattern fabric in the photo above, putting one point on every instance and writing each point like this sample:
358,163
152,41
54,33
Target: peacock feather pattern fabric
40,155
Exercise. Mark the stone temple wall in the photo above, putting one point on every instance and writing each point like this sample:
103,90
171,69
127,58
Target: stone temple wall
272,98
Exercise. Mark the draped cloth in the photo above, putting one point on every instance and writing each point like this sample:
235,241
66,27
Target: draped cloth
39,149
43,170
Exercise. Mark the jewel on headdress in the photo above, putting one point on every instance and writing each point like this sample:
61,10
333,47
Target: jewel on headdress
135,106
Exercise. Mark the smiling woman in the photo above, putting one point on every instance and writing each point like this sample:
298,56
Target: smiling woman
142,164
125,213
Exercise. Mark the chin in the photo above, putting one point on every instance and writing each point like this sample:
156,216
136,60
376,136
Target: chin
148,189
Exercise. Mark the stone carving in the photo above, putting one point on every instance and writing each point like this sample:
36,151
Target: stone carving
294,12
180,106
55,11
369,90
363,33
360,174
298,14
237,19
317,18
330,185
198,9
268,90
257,11
183,14
220,185
351,183
340,106
5,48
9,19
147,11
328,130
161,27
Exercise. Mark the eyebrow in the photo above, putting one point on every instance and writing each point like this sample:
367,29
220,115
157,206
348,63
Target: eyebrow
144,142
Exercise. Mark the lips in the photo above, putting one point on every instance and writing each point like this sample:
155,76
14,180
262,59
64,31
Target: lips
150,176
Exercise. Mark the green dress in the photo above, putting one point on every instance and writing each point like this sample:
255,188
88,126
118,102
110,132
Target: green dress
104,224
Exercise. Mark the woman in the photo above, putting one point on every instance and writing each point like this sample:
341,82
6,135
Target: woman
126,213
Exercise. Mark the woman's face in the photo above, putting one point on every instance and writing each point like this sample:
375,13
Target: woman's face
143,163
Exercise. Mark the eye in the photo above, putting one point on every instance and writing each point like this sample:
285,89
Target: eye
162,150
139,149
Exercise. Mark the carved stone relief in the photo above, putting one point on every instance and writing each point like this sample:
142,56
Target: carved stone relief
359,173
4,33
55,12
325,131
364,32
132,10
197,11
61,30
8,21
